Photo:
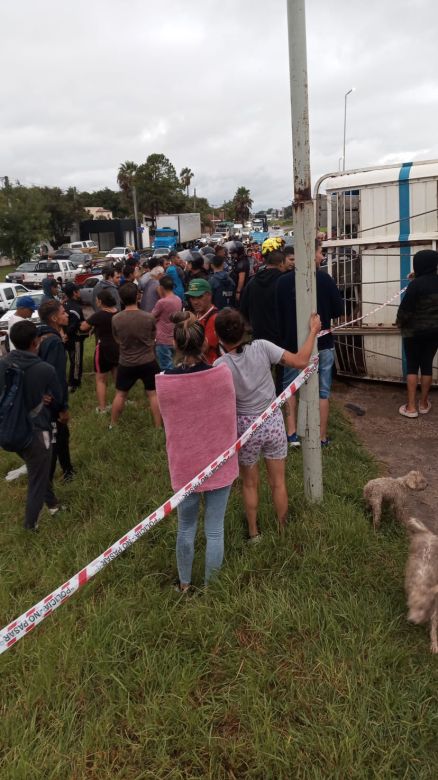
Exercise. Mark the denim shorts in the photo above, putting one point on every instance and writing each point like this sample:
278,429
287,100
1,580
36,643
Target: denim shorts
325,370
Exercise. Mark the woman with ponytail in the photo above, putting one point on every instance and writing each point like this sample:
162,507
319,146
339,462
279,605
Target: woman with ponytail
198,407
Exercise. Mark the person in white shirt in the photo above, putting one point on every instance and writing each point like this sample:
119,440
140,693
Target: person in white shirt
25,308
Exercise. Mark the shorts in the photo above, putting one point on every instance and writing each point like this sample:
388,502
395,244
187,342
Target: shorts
102,364
325,370
420,352
127,376
269,440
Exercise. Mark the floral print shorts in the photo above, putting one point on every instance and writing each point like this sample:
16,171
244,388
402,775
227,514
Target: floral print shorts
269,440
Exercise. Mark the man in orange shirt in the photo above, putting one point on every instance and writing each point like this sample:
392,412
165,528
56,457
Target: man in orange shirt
199,295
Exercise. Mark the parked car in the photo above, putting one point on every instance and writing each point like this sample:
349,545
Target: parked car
62,270
81,260
4,320
82,246
65,253
119,253
87,289
18,274
8,292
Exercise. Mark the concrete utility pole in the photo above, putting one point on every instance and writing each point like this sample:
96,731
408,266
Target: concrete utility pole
305,234
137,239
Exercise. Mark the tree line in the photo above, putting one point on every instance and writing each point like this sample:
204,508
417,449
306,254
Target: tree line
31,214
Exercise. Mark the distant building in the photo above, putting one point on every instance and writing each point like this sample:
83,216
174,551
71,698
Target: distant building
97,212
108,233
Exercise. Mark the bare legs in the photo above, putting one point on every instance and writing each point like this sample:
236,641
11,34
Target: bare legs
250,490
120,401
101,387
291,415
425,385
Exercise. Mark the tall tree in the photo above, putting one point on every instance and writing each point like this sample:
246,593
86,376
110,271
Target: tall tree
185,178
242,203
64,210
159,188
24,221
127,180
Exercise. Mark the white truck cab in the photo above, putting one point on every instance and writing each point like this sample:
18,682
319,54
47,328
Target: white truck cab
61,270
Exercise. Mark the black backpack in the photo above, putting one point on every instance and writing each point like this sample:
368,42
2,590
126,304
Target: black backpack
223,291
16,429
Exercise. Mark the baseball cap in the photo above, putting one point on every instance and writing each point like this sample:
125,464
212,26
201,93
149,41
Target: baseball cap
26,302
198,287
70,288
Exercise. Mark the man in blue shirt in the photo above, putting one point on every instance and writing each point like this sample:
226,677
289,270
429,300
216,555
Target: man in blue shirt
329,305
174,272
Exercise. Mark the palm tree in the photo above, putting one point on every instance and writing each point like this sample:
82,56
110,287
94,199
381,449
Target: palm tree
185,178
242,203
126,181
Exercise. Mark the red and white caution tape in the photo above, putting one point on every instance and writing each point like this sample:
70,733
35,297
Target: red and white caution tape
364,316
28,620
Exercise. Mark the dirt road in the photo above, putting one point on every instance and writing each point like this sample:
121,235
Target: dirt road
398,443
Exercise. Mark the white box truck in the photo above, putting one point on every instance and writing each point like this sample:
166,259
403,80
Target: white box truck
174,231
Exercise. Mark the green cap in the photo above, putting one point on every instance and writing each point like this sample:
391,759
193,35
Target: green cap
198,287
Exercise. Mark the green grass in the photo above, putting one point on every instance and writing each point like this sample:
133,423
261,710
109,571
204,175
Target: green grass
297,663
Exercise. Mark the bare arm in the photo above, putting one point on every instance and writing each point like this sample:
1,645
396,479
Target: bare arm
85,327
301,358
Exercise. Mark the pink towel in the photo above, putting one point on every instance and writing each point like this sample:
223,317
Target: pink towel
199,414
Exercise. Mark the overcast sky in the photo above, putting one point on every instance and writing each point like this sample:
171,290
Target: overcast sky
87,84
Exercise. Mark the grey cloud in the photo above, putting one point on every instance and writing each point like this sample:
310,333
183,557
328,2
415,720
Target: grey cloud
91,84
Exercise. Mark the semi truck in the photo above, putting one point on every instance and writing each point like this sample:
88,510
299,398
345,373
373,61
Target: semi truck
176,231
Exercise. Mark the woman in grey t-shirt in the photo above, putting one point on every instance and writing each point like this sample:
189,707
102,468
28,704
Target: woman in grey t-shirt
250,366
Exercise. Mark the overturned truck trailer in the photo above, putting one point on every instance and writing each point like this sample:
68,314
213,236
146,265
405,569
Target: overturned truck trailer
377,219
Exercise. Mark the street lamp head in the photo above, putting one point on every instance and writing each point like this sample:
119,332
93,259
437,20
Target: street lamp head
350,91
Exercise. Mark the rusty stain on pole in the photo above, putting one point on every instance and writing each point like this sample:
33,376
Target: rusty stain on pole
305,233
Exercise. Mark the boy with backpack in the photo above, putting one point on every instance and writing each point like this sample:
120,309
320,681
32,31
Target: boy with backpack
29,390
223,288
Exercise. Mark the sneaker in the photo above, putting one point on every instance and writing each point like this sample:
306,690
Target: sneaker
15,473
102,411
69,476
53,510
326,442
253,540
293,440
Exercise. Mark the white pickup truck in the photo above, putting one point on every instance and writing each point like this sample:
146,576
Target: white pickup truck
62,270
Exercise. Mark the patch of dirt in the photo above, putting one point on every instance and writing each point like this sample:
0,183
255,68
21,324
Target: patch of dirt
398,443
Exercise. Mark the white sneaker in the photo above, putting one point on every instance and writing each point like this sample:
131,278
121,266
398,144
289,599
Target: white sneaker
53,510
15,473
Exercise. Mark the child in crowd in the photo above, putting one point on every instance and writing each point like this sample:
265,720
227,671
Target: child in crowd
168,304
250,366
106,354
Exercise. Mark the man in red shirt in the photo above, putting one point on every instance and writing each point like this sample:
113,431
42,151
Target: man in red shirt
199,295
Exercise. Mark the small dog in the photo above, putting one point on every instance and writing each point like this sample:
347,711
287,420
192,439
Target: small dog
421,578
394,491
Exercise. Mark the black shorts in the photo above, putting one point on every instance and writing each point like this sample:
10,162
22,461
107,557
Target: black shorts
127,376
420,352
102,363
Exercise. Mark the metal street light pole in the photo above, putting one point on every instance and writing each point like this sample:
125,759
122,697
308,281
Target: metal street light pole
305,234
345,123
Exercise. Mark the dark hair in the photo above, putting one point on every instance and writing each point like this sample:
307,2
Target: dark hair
197,263
47,310
189,336
22,334
128,269
217,262
167,282
128,293
289,251
108,271
276,257
106,297
218,248
153,262
230,326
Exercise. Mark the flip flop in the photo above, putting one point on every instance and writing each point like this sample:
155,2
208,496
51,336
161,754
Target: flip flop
405,413
426,410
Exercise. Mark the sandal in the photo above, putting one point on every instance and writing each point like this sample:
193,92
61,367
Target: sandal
426,410
403,411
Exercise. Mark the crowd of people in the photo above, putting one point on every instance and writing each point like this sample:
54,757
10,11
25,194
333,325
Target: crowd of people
212,326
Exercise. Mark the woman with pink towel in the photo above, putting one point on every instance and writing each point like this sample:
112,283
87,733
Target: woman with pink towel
198,407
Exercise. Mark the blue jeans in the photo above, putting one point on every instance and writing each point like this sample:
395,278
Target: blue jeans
325,370
164,355
188,511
